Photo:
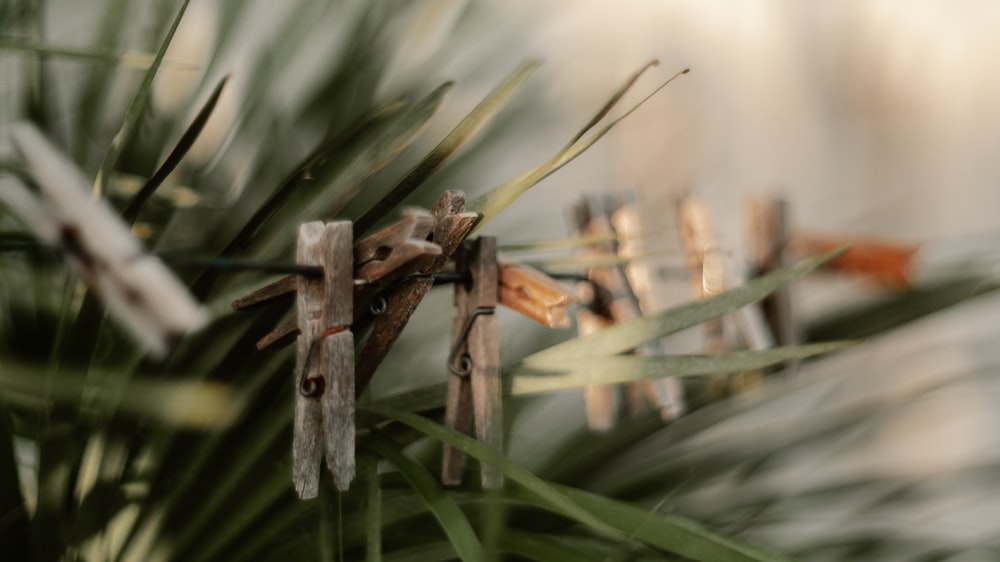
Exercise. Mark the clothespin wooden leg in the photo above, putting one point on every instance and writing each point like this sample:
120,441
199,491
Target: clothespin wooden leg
324,400
474,364
601,399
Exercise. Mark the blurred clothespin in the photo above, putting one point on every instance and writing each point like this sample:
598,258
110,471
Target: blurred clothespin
474,385
668,393
704,261
902,265
711,274
139,291
766,225
611,296
889,264
324,403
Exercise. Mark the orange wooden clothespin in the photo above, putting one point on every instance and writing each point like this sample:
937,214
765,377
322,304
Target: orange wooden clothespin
474,384
535,294
889,264
324,403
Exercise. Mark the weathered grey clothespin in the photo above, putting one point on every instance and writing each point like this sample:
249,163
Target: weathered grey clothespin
378,261
474,385
324,401
140,292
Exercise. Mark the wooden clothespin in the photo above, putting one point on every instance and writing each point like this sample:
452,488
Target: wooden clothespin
709,276
474,385
601,400
668,393
451,226
324,401
378,261
392,267
888,264
535,294
139,291
613,299
704,262
766,224
386,256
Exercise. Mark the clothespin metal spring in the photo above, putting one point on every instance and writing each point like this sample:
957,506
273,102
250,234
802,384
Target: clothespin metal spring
313,387
464,367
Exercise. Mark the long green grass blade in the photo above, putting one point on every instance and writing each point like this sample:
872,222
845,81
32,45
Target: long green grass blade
521,379
670,532
135,109
500,197
468,128
308,169
557,501
621,369
176,155
611,103
451,518
137,61
543,548
629,335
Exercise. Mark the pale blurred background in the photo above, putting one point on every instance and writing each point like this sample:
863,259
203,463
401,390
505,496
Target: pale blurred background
878,117
872,118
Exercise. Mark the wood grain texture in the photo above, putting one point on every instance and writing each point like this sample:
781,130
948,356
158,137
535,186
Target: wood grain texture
451,228
478,395
458,405
307,433
324,420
